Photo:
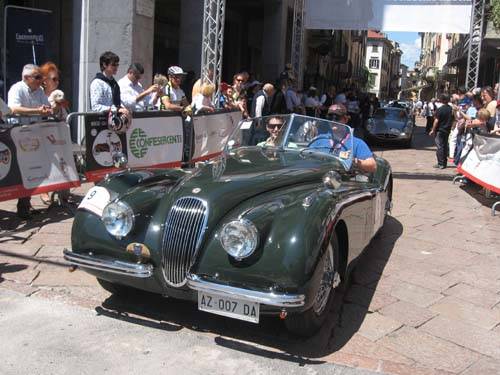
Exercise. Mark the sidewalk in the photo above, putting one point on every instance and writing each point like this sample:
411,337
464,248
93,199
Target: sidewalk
424,299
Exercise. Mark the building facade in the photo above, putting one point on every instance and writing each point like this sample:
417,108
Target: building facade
378,62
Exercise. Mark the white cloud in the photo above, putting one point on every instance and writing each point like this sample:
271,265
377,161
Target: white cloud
411,53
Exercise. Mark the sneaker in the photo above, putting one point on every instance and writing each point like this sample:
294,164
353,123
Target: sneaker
439,166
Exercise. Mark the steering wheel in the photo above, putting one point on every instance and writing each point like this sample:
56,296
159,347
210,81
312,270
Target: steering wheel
321,137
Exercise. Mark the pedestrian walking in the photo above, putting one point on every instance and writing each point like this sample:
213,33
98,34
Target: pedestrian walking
443,121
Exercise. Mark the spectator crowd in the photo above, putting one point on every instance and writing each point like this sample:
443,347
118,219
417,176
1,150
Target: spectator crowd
451,120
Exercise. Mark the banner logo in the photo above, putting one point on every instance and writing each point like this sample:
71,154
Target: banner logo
29,144
5,160
140,143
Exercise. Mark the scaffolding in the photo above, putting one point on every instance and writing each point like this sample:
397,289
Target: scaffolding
213,41
298,40
475,38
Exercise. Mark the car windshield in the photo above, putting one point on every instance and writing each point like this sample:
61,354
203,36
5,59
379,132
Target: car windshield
309,135
396,114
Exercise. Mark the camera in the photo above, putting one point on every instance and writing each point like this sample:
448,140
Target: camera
117,122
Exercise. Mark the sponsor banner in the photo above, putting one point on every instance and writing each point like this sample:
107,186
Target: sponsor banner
482,163
29,39
36,159
154,139
211,132
444,16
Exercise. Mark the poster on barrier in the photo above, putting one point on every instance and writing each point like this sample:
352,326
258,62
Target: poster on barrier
211,132
36,159
154,139
482,164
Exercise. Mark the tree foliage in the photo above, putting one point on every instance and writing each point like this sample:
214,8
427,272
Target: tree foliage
495,13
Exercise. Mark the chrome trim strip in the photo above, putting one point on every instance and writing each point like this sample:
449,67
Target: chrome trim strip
197,283
108,265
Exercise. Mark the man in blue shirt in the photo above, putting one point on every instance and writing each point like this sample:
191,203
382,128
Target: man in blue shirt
362,155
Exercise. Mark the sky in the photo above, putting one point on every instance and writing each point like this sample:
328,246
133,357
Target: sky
409,44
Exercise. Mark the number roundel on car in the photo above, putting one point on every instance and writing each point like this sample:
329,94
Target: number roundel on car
95,200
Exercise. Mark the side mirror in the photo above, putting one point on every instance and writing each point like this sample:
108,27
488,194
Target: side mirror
120,160
332,180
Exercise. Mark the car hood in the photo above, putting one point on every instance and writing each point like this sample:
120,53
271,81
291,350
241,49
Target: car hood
384,126
250,171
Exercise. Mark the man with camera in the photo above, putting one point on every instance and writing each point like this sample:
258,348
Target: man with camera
133,95
104,90
27,98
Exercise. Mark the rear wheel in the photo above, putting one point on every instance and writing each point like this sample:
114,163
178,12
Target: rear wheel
310,321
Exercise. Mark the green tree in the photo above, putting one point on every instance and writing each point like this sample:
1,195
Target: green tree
495,13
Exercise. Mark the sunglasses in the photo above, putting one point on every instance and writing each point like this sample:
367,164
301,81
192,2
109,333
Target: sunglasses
239,80
115,64
38,77
54,79
274,126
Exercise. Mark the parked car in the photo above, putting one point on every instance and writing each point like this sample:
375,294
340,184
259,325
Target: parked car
270,227
391,125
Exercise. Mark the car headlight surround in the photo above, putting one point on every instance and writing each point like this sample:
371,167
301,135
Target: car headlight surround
118,218
239,238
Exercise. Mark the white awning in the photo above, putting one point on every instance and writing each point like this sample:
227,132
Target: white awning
444,16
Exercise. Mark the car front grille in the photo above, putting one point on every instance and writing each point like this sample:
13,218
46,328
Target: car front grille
184,229
386,136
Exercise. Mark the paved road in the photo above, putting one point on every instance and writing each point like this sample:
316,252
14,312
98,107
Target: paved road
425,298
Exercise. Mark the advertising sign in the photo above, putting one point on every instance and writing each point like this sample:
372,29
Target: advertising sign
211,132
36,159
445,16
28,40
482,164
154,139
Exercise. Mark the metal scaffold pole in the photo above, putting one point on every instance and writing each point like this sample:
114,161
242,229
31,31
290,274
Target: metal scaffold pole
298,41
475,38
213,40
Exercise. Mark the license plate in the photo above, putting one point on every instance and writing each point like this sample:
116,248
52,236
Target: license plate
231,307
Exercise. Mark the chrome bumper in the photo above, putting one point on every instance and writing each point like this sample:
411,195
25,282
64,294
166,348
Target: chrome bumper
279,300
108,265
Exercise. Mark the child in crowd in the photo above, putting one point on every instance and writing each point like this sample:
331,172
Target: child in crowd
202,102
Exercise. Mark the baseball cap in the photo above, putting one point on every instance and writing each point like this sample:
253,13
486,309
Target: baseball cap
175,70
337,109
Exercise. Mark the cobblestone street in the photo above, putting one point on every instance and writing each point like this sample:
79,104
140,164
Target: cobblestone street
424,299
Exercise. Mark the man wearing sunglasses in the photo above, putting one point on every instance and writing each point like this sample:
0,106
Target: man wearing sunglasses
174,98
26,97
362,155
104,90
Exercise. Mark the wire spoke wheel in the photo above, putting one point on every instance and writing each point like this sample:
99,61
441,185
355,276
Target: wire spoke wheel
326,285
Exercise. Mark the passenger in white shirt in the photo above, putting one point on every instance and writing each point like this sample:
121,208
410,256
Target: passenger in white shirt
132,94
202,102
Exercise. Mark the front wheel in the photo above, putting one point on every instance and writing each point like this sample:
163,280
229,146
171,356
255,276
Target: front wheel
309,322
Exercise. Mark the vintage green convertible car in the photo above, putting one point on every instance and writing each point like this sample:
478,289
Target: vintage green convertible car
272,226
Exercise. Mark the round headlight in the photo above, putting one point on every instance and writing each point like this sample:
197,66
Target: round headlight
239,238
118,218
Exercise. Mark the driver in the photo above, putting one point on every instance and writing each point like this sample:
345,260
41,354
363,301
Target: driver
273,126
362,156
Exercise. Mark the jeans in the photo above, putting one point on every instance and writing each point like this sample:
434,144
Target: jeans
442,147
428,125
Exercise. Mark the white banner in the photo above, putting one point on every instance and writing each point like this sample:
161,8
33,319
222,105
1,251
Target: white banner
155,142
44,155
211,133
482,164
444,16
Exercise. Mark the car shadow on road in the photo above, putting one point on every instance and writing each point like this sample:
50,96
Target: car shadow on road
270,338
12,228
10,268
